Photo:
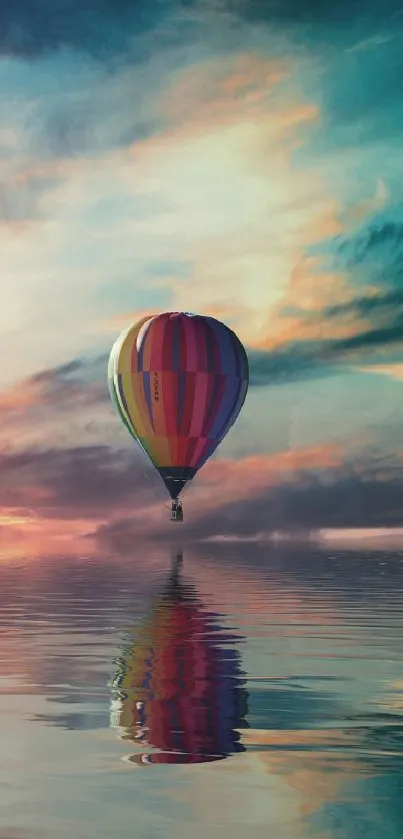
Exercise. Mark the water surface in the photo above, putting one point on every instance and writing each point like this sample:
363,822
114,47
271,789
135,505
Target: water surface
238,692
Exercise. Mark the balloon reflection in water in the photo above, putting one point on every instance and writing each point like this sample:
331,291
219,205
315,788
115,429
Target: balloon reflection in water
179,687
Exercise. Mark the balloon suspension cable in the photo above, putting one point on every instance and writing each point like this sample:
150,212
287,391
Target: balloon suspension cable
180,496
177,515
146,474
185,490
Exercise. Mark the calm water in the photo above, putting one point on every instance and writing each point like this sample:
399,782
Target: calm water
246,692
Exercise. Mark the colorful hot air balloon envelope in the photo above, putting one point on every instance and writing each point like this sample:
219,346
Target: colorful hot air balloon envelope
179,686
178,381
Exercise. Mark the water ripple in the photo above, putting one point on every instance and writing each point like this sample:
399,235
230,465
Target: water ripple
216,693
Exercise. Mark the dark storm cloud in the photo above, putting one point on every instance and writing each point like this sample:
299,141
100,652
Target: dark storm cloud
315,359
290,363
63,407
81,379
81,383
361,89
315,12
74,389
102,28
60,373
347,498
377,246
353,495
87,481
376,250
361,62
105,28
378,304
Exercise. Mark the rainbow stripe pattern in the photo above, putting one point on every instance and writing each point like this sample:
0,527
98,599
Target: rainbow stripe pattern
179,686
178,381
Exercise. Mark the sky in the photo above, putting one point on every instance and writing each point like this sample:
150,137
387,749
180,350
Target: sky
239,158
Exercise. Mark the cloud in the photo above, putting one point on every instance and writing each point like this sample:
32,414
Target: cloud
21,200
351,496
361,87
305,359
81,483
61,407
375,303
67,457
96,482
225,90
49,387
32,29
158,222
392,370
376,245
104,478
324,322
227,126
236,479
88,109
357,57
143,163
317,494
315,13
69,406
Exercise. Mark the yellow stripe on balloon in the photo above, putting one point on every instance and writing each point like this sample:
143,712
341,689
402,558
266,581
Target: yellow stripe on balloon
136,410
121,352
158,447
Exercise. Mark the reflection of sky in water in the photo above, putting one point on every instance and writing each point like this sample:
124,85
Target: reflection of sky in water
318,640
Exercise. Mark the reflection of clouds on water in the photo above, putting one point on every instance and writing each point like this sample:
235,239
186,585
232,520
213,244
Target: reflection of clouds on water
317,634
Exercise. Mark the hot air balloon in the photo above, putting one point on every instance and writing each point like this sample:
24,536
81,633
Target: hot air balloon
178,381
179,687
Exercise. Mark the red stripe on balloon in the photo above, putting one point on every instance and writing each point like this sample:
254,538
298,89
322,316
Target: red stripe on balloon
200,403
191,447
181,451
187,412
169,388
